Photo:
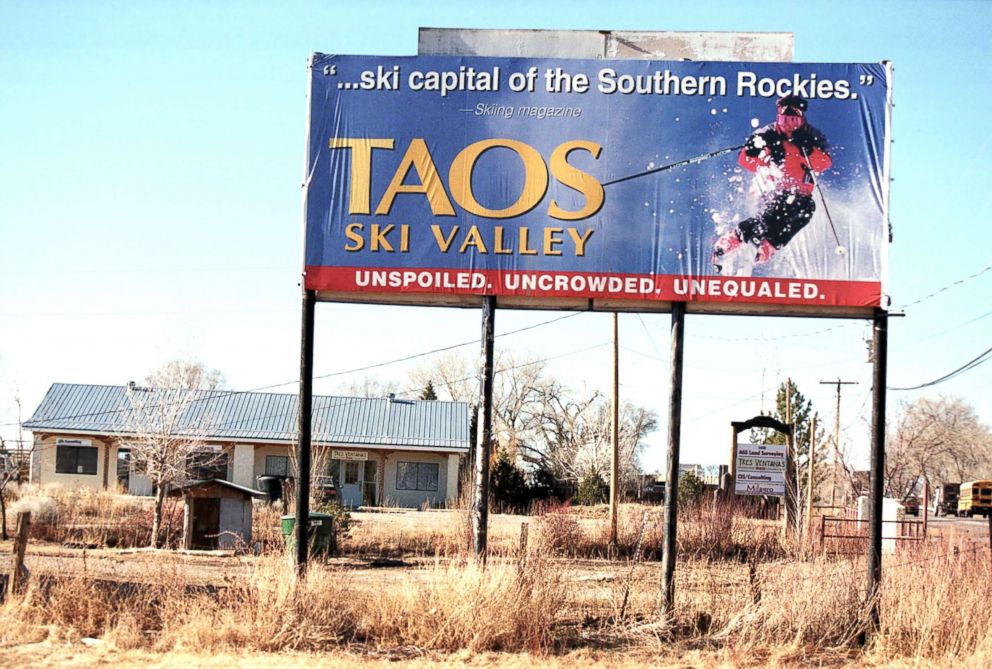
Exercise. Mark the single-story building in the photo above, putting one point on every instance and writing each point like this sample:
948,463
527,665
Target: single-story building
379,451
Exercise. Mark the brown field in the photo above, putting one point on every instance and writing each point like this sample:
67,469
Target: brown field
744,597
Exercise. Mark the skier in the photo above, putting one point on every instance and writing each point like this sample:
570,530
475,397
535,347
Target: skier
785,157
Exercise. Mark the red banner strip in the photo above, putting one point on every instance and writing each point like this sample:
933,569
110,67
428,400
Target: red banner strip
527,283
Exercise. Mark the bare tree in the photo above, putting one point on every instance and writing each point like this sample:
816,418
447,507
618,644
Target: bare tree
453,376
936,440
538,420
192,373
575,436
520,387
8,474
369,386
165,428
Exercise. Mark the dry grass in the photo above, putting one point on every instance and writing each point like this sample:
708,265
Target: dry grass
934,608
744,598
512,606
91,518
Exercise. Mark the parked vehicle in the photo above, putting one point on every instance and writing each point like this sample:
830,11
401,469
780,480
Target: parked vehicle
325,489
975,498
946,501
912,506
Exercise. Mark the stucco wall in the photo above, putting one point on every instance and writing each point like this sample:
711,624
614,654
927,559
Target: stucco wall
43,469
45,454
261,452
415,498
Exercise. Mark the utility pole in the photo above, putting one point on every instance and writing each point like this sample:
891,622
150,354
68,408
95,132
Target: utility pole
833,476
792,488
810,487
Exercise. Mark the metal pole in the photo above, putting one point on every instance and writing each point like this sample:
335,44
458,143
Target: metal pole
670,545
880,346
304,428
615,436
484,423
681,163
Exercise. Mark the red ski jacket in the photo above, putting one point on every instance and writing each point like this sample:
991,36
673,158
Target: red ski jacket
783,159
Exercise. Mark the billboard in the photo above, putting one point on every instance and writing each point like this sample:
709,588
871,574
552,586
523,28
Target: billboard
760,469
731,186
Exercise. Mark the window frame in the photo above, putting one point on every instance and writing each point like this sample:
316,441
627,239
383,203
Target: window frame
284,458
76,450
403,465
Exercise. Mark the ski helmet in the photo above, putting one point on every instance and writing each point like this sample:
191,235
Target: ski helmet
790,113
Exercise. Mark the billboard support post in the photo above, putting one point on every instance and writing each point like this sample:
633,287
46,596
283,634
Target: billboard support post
304,427
483,440
615,435
810,481
879,346
670,546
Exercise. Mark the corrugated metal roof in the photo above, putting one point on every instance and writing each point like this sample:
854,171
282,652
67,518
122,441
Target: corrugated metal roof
250,416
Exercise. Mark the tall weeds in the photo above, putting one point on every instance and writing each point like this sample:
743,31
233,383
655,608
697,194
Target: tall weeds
740,590
446,607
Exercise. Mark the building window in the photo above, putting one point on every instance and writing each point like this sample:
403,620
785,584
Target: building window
76,460
205,465
277,465
417,476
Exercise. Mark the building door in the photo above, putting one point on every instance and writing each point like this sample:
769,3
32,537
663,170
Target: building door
352,478
205,513
371,498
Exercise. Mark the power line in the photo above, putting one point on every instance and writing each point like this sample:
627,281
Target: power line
981,358
948,287
221,394
437,350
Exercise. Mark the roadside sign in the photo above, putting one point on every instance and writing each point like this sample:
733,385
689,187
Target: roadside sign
760,469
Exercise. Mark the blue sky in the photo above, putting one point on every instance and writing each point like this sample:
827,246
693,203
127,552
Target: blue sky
151,156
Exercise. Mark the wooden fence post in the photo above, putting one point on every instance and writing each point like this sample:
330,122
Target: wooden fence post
19,575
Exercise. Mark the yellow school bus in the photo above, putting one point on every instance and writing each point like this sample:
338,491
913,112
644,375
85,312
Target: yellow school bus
975,498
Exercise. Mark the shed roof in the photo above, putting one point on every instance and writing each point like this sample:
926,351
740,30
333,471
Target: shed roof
255,416
191,485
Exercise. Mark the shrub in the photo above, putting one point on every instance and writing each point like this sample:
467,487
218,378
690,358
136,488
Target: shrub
341,519
508,485
592,489
560,533
691,489
43,509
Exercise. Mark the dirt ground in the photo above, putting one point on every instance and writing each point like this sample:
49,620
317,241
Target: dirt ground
83,656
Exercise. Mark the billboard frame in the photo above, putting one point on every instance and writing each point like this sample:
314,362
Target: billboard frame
678,309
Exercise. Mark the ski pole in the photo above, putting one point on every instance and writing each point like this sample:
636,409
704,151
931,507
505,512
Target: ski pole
688,161
826,210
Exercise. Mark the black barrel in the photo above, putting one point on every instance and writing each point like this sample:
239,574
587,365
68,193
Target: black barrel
271,486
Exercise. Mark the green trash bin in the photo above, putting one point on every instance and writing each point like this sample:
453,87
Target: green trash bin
320,534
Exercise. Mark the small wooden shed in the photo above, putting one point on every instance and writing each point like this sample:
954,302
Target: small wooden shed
216,513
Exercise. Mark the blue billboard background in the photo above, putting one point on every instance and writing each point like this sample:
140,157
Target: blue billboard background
657,225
